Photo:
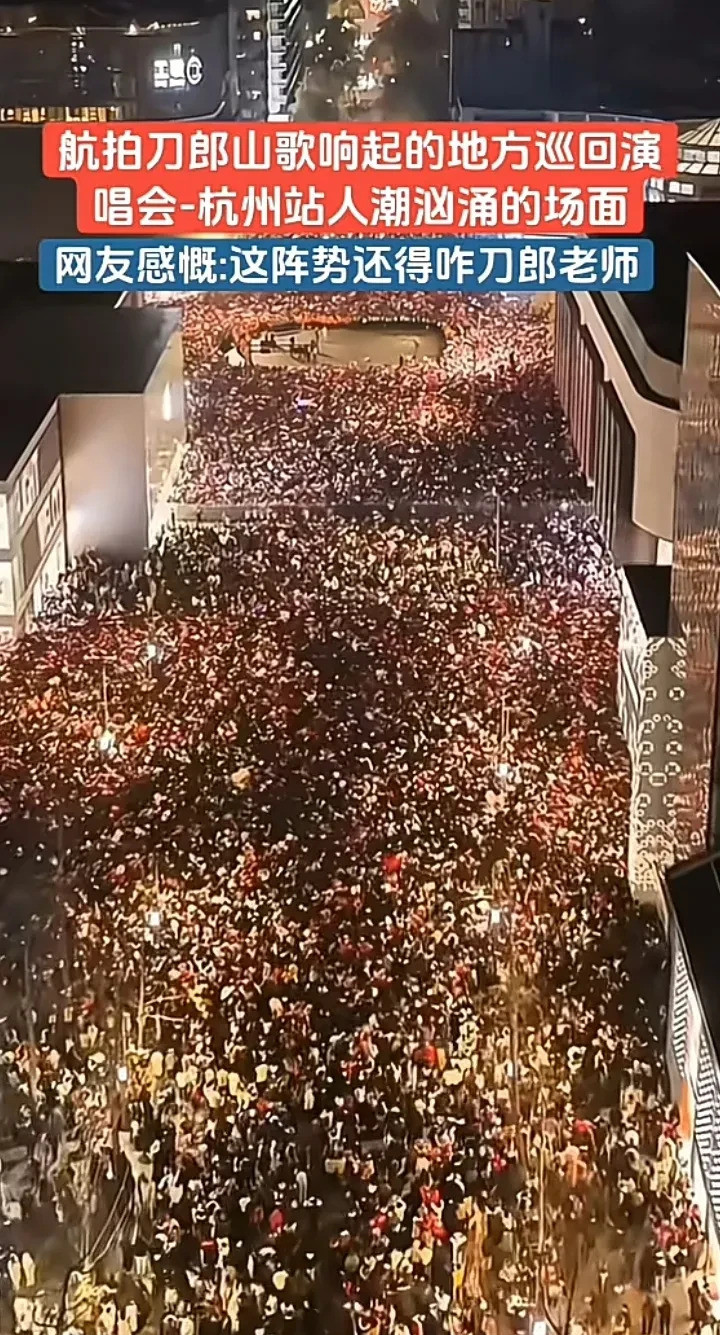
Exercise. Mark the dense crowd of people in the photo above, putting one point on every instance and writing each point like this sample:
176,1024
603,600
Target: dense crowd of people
483,416
351,1024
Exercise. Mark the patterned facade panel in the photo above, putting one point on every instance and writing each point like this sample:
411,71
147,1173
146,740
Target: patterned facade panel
650,698
657,767
695,598
678,1019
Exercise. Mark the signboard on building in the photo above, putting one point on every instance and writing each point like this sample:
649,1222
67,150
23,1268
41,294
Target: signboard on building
179,71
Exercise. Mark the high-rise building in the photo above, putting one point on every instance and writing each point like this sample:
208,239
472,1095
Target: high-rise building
148,60
270,44
155,60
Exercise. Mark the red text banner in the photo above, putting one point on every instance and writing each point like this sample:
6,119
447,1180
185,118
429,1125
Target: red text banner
357,180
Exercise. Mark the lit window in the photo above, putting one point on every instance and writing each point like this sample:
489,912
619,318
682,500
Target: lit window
252,15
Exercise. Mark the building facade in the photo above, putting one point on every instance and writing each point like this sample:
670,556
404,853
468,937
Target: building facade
159,61
693,917
695,594
93,470
33,551
623,417
650,691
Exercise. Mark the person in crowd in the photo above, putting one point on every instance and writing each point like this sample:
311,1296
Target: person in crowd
343,1019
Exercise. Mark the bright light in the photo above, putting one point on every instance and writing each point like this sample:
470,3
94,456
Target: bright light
132,30
152,652
122,1074
106,742
495,917
582,23
32,18
503,769
154,919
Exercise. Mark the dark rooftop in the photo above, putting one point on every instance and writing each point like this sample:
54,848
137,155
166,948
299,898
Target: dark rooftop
650,587
76,350
21,415
19,289
676,230
693,890
32,207
49,348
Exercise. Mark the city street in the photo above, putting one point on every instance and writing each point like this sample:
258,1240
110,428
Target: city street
358,1018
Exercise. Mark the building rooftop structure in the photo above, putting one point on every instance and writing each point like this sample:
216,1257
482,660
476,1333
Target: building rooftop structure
75,350
49,349
699,150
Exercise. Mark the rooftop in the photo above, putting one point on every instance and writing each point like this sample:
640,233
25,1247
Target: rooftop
699,150
78,350
650,587
32,207
676,230
51,346
19,290
693,891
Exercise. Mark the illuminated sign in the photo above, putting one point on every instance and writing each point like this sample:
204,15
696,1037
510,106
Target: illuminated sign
177,71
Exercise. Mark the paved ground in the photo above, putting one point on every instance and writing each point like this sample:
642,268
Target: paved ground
373,345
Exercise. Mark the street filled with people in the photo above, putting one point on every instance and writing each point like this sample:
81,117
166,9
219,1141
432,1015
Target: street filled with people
341,1017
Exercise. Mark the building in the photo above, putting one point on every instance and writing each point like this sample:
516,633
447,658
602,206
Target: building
698,174
150,60
619,371
692,906
529,54
650,691
695,592
487,13
270,46
33,550
638,376
155,60
93,405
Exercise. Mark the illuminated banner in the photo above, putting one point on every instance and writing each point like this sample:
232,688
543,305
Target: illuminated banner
362,266
358,180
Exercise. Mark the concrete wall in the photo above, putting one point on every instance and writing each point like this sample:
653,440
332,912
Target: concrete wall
105,468
656,430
